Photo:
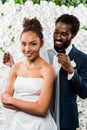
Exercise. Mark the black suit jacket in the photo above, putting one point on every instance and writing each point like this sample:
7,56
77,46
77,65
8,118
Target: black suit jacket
69,89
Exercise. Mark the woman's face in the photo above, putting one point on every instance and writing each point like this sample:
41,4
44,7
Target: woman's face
30,45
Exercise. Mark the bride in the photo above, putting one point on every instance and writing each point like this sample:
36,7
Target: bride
30,84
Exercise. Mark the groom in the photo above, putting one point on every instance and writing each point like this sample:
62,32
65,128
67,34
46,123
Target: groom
71,76
71,79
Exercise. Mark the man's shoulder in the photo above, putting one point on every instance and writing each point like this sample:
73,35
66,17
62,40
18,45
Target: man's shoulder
79,51
79,56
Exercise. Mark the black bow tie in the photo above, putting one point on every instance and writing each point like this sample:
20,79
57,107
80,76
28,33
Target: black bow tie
61,51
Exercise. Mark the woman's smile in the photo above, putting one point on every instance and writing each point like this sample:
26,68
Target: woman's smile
29,54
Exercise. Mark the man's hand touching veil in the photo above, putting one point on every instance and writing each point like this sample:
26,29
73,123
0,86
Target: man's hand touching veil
8,59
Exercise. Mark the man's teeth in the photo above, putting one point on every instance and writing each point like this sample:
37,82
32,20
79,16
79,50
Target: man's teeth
58,43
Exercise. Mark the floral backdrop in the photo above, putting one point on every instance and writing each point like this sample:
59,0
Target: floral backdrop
11,17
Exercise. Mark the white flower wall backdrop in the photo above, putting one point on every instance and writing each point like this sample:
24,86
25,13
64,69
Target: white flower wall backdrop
11,17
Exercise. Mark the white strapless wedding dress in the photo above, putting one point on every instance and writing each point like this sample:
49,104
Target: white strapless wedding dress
29,89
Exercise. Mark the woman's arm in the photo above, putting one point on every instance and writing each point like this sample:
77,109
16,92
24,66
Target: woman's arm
41,106
10,107
9,88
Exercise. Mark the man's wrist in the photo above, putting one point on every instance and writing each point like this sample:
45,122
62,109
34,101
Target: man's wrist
71,70
70,76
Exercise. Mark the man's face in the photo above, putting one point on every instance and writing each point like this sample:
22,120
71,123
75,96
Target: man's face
62,36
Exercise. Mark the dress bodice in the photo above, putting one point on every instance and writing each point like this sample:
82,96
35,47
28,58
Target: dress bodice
28,88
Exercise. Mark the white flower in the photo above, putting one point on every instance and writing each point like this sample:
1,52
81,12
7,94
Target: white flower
73,64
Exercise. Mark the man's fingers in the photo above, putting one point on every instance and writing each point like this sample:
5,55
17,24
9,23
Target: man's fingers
6,57
6,54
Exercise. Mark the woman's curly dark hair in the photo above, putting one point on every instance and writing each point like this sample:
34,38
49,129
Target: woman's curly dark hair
34,26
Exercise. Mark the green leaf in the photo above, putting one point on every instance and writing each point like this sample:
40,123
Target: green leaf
1,49
16,1
84,27
36,1
3,1
12,40
55,19
9,26
68,5
2,14
21,1
56,2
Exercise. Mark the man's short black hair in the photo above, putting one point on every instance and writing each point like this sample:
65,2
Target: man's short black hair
70,19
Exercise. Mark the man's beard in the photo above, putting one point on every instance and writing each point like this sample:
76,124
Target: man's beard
63,47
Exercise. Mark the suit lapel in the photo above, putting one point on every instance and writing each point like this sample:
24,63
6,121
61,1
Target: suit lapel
71,53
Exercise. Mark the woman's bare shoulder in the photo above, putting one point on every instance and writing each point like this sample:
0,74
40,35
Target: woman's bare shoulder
47,65
16,66
48,69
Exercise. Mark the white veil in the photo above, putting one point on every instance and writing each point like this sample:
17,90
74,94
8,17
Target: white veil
44,54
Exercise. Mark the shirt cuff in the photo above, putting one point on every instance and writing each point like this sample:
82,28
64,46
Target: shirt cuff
70,76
